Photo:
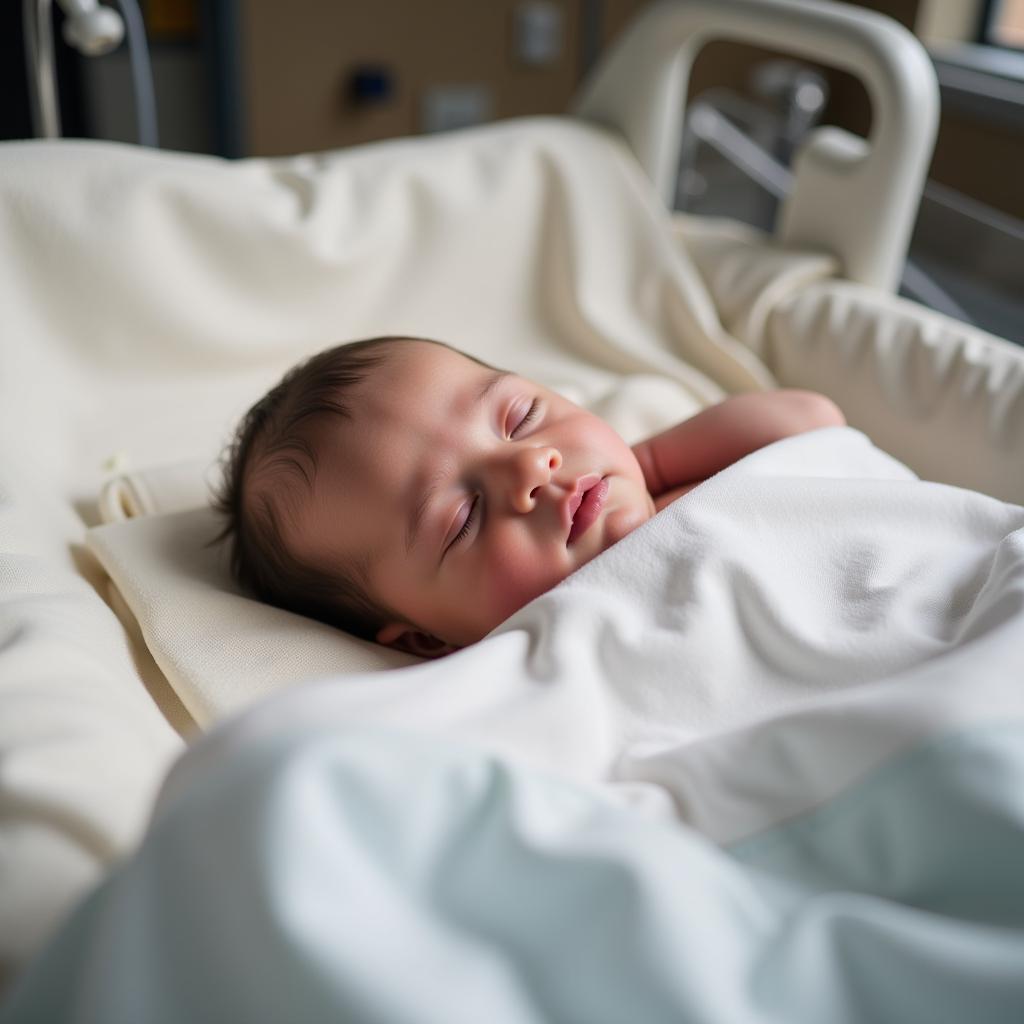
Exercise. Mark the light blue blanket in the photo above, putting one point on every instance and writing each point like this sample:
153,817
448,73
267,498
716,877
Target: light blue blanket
328,874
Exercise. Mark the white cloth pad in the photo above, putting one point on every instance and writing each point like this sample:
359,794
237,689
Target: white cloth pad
220,649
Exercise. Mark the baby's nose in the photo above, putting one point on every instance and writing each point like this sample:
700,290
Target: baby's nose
532,469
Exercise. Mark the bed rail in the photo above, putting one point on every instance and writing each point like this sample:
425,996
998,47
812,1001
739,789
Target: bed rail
852,197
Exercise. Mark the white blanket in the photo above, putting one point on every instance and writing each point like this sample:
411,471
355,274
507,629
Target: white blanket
816,577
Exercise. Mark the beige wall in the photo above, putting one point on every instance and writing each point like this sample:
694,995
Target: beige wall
943,21
299,56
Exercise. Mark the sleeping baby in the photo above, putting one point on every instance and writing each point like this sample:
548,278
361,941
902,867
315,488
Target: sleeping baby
413,495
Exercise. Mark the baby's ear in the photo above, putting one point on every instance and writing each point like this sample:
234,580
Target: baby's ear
412,641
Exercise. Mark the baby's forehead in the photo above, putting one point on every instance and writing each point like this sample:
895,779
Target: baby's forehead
416,360
408,401
421,377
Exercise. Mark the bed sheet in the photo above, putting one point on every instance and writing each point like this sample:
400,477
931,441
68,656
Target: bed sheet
941,395
137,280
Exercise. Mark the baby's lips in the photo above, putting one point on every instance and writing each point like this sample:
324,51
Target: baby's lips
575,497
588,510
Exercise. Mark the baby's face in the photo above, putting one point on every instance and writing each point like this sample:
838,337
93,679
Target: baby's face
465,492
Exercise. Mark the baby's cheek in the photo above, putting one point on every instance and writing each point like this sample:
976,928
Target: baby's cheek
516,575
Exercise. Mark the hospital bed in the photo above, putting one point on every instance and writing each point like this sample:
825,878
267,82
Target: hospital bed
525,806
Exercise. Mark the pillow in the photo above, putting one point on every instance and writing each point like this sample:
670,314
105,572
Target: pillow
219,649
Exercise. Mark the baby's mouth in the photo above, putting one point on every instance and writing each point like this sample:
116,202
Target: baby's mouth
585,506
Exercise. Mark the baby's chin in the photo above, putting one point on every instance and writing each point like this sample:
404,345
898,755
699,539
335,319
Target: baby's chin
622,521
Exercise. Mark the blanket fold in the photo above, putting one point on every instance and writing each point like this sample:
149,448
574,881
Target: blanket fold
381,876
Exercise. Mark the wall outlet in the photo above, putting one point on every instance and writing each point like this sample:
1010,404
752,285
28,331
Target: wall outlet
447,107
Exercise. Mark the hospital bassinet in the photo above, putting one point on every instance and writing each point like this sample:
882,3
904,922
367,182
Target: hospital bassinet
148,298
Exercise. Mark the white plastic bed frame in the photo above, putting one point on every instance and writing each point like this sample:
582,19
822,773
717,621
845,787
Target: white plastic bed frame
640,92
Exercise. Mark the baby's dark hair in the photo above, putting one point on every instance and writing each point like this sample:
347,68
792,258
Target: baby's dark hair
270,464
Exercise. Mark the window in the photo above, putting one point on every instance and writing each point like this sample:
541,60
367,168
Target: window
1003,23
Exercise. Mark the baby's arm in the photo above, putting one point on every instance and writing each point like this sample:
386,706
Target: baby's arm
681,457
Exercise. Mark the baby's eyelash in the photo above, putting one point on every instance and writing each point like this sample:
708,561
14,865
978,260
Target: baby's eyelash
464,530
531,414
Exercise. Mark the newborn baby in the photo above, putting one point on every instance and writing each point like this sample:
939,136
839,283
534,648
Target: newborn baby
415,496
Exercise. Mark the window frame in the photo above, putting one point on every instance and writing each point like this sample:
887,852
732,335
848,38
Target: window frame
985,34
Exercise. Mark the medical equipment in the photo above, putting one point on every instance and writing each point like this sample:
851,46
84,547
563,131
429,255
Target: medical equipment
93,30
189,284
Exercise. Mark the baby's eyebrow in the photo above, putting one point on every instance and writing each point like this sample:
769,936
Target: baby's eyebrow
492,381
416,519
